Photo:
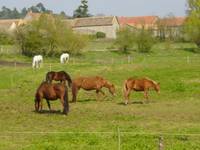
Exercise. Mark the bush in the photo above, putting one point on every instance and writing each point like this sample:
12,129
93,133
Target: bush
50,36
125,39
100,35
6,38
144,40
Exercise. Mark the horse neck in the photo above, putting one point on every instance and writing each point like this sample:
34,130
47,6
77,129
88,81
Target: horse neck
107,84
153,84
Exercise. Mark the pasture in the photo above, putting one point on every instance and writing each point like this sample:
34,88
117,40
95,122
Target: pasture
97,125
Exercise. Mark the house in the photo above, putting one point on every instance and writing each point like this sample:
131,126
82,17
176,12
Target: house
91,25
9,24
170,27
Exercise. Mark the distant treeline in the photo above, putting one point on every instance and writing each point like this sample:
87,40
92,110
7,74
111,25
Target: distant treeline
7,13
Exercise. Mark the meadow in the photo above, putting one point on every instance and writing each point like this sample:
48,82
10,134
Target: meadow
174,114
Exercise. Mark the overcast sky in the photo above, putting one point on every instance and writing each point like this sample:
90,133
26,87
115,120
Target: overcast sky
108,7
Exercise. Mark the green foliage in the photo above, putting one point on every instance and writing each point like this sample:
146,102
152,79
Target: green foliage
125,39
82,10
192,26
48,36
7,13
6,38
100,35
144,40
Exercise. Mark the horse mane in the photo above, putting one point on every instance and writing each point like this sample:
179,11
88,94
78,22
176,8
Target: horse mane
154,82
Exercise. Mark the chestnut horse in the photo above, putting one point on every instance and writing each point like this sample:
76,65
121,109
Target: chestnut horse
143,84
61,76
51,91
91,83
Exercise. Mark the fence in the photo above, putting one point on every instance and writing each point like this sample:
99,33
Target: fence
119,140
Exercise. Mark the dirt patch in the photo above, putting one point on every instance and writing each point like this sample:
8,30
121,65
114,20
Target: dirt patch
14,63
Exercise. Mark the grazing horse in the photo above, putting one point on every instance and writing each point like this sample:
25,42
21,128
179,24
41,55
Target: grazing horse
143,84
49,92
91,83
64,58
37,61
61,76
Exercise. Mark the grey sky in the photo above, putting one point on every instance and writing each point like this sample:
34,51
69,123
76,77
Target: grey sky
109,7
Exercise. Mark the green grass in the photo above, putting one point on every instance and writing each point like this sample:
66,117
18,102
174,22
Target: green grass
174,114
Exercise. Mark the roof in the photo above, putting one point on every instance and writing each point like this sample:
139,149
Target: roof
146,20
6,23
174,21
32,16
94,21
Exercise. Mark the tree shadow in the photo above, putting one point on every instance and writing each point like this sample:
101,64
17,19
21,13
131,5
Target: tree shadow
192,50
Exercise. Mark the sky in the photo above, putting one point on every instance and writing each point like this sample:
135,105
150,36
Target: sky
108,7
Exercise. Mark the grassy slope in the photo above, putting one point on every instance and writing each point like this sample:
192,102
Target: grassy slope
175,110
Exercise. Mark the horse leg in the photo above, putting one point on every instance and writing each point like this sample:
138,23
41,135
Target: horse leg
74,92
41,105
126,95
146,95
49,105
37,104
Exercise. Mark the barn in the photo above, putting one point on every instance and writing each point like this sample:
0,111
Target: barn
91,25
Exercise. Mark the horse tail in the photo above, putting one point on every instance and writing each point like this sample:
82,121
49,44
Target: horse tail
66,102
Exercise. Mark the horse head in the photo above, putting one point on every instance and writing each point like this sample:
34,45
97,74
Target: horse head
157,87
111,88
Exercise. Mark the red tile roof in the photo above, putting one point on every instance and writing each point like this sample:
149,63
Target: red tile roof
141,20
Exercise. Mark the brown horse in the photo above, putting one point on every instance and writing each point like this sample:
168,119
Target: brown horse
143,84
51,91
61,76
91,83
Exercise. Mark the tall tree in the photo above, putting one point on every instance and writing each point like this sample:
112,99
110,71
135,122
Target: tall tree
82,10
192,26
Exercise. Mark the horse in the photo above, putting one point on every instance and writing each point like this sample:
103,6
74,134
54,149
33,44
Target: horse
51,92
64,58
91,83
142,84
37,61
61,76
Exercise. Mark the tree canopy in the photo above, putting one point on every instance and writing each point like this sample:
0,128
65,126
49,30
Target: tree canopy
192,26
82,10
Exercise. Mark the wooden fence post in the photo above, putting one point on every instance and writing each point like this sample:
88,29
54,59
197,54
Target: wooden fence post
119,139
160,143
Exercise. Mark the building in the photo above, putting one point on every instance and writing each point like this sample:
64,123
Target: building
92,25
9,24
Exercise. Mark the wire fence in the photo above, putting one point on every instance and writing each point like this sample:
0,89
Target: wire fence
120,139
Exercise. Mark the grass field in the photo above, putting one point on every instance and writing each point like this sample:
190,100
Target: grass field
94,125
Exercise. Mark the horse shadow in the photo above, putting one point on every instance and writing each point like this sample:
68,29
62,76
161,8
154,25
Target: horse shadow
137,102
49,112
132,103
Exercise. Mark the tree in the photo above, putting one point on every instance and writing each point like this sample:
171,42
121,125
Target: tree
48,35
125,39
82,10
144,40
192,25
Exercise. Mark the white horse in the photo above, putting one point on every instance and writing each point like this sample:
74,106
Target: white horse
64,58
37,61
